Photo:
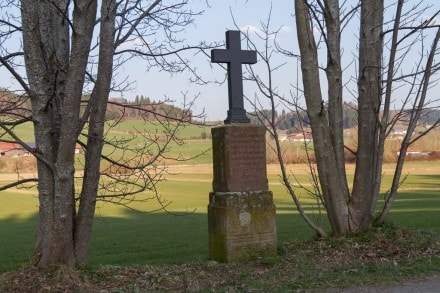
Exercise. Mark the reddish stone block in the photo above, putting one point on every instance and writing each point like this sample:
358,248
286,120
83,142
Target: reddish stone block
239,158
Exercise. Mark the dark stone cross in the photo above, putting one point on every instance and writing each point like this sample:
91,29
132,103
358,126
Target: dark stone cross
234,56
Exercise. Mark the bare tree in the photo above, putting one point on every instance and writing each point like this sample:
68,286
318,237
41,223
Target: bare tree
385,56
74,48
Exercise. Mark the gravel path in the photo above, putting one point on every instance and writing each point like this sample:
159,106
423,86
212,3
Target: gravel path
423,285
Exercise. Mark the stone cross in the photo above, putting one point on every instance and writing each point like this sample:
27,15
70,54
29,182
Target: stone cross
234,57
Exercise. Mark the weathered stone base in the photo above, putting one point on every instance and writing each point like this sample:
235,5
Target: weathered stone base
241,225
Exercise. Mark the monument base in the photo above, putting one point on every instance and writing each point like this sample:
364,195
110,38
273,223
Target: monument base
237,116
241,225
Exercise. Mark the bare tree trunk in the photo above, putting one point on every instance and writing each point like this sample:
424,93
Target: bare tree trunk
267,89
58,55
45,74
369,91
384,123
358,209
56,80
329,169
95,141
423,89
334,78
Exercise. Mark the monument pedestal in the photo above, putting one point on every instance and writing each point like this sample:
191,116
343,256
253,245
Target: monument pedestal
241,213
241,225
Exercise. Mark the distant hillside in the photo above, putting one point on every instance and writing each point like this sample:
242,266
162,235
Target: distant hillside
294,121
13,106
431,117
143,109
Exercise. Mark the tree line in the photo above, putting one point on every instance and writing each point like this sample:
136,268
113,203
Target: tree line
14,105
295,121
144,108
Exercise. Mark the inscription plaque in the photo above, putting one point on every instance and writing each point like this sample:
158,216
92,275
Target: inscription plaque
239,154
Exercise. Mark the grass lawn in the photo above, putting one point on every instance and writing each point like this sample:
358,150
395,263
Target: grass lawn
186,132
123,237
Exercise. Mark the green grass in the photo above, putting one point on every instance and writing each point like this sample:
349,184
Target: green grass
122,237
192,150
193,147
185,132
380,256
25,132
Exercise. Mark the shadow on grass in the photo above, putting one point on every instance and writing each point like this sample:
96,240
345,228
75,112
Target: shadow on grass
161,238
167,238
156,238
17,237
427,181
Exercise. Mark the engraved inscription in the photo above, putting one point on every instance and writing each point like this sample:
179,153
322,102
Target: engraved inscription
247,158
239,155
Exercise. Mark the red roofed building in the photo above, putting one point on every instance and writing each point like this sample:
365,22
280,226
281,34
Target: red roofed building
8,149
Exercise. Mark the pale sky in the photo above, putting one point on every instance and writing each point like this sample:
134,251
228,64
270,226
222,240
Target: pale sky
248,15
211,27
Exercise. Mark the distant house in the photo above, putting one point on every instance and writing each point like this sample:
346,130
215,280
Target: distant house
415,153
303,137
79,149
398,133
283,137
8,149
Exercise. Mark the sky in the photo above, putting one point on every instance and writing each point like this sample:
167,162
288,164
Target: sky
211,27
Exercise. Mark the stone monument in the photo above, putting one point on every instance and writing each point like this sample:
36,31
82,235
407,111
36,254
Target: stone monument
241,213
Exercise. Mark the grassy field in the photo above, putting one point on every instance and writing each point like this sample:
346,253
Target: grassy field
195,143
123,237
177,240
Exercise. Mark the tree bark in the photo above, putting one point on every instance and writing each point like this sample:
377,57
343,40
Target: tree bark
369,100
59,61
356,211
384,123
331,175
95,141
334,78
56,78
407,141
